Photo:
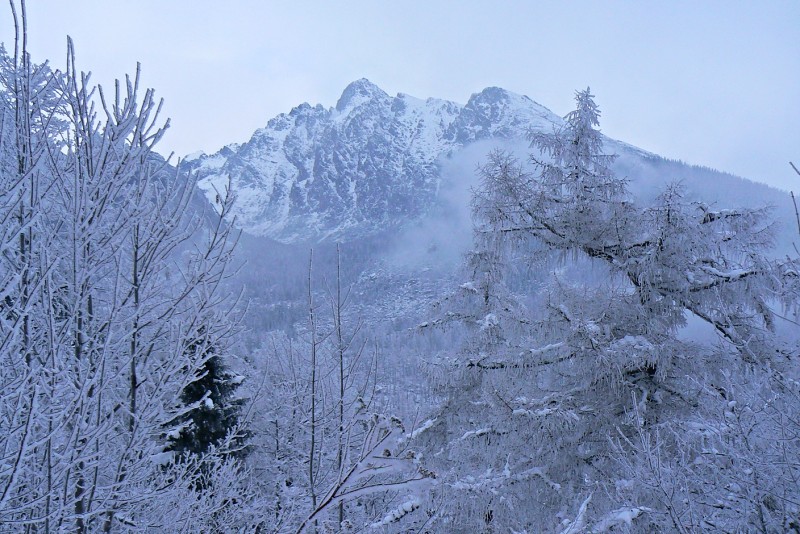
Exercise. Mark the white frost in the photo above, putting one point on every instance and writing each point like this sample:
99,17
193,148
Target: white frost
411,504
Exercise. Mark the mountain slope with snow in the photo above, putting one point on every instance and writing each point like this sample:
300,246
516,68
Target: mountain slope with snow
371,162
374,162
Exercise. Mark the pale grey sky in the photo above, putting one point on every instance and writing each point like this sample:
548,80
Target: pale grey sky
713,83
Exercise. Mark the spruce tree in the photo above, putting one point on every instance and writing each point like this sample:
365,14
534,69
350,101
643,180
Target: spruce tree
211,410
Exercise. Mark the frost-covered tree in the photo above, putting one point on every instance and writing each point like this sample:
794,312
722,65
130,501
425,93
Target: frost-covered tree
103,288
537,423
212,412
335,461
30,303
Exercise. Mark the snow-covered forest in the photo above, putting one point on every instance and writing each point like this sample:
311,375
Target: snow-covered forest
611,353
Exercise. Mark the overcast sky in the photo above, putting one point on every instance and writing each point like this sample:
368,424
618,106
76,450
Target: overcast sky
711,83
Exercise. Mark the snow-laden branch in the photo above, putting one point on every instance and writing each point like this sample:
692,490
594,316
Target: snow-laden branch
620,516
490,480
377,461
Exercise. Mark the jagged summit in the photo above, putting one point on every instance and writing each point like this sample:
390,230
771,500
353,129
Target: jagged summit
369,164
490,96
357,93
497,97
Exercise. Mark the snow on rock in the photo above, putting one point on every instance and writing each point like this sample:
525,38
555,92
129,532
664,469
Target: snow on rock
374,162
370,163
194,156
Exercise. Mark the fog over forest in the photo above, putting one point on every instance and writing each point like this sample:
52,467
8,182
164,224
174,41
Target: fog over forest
389,315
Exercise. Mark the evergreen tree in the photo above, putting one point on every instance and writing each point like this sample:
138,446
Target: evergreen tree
212,412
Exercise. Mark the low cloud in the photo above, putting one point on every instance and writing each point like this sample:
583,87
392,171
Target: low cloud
440,239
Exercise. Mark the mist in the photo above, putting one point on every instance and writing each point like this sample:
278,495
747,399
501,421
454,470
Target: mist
439,240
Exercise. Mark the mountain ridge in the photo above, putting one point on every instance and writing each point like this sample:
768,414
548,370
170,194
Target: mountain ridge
371,163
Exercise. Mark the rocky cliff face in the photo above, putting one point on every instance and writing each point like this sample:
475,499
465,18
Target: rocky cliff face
369,164
374,163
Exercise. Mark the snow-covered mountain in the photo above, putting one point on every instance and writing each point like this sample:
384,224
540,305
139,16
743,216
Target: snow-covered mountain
374,162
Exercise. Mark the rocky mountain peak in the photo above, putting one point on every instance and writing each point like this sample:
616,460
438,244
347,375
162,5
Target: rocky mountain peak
488,95
358,92
370,164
